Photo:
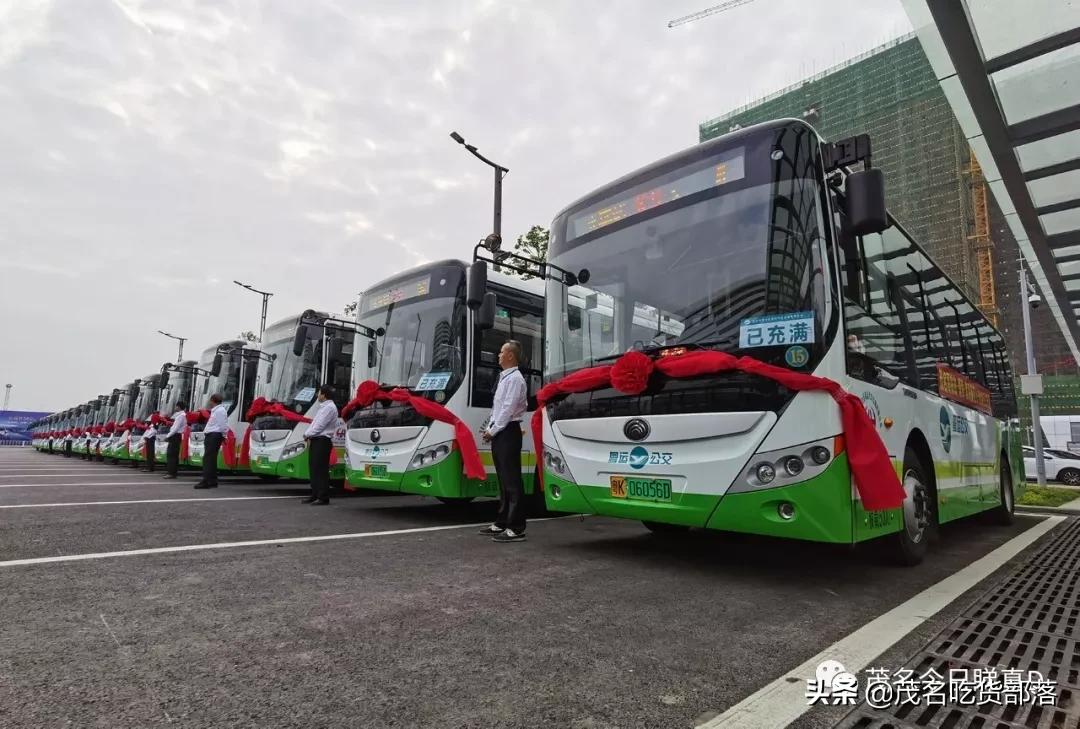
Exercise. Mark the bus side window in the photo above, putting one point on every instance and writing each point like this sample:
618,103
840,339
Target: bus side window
510,323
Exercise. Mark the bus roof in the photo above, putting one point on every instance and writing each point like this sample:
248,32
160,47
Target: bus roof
535,286
600,193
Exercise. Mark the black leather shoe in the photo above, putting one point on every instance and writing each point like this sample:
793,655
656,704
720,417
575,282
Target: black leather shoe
308,500
206,486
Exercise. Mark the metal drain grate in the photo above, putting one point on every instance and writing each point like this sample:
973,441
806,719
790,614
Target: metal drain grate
1028,622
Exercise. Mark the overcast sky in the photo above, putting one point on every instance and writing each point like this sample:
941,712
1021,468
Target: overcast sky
152,152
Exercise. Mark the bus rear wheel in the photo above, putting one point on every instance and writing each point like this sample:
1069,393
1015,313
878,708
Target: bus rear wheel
908,546
1003,513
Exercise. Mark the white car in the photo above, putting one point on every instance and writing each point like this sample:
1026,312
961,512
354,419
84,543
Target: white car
1060,466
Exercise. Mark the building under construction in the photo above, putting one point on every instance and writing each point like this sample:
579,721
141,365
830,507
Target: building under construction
934,187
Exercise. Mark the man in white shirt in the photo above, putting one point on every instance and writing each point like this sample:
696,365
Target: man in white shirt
504,434
175,437
213,435
149,439
319,438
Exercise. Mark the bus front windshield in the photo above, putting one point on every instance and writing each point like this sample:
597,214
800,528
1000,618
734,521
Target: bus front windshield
287,378
226,383
145,401
178,389
689,253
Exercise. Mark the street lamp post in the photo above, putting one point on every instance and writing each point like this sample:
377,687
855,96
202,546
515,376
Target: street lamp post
1036,426
494,240
181,340
265,297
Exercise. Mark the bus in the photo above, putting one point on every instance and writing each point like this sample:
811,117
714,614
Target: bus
432,345
300,353
98,433
766,244
93,424
145,406
177,385
122,412
229,369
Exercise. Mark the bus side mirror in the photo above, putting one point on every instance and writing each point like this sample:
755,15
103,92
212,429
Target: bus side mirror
372,354
164,379
474,297
113,398
865,193
215,368
299,340
485,316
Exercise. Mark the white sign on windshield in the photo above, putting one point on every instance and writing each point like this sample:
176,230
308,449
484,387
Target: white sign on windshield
305,395
433,381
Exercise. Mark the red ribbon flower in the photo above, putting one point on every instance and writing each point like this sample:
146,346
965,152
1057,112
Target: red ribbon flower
630,373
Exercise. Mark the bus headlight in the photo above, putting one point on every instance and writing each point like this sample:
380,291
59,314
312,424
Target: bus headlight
765,472
290,451
820,455
793,465
431,455
553,462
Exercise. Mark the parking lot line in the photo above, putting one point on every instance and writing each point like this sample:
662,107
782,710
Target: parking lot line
91,483
141,501
784,700
232,545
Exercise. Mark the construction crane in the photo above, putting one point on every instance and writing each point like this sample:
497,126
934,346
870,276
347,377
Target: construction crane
707,12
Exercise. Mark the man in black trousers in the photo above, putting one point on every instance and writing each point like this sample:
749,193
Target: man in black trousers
320,442
175,437
504,434
213,435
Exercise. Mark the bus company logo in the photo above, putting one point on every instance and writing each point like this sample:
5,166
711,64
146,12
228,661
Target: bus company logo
873,410
636,429
639,457
945,427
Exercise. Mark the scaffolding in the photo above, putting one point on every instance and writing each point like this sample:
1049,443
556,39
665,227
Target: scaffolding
981,240
892,94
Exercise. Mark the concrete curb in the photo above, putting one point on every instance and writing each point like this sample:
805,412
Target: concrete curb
1068,508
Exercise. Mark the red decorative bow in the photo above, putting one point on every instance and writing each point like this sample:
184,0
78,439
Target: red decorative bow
369,391
875,478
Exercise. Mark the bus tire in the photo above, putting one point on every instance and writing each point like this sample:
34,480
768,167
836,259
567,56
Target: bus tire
907,547
1070,476
455,500
1004,512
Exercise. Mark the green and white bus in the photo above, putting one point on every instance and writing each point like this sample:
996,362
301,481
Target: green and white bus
229,369
177,385
146,403
124,408
434,346
300,353
764,244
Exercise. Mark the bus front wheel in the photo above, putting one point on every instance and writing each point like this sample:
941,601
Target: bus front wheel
908,546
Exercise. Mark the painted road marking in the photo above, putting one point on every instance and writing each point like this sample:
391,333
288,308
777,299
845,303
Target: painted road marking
142,501
784,700
231,545
253,543
160,482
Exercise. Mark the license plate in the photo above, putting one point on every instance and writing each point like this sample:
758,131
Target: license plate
641,489
375,470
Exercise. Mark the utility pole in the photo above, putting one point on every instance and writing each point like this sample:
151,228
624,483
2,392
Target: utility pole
1036,426
494,241
7,395
265,297
181,340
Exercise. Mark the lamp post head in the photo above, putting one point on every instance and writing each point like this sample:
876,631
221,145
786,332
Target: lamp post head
457,137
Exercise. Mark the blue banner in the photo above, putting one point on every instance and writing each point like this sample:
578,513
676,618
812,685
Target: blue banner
14,426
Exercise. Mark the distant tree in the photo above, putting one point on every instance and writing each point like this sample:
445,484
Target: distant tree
533,244
248,336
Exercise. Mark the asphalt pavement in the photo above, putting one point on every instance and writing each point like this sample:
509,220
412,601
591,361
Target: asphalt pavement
390,611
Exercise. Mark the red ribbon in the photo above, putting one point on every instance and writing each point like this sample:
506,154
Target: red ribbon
875,478
369,391
228,446
159,419
185,441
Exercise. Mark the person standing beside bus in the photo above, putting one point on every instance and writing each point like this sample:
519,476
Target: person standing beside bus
213,435
319,438
148,444
504,434
175,437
